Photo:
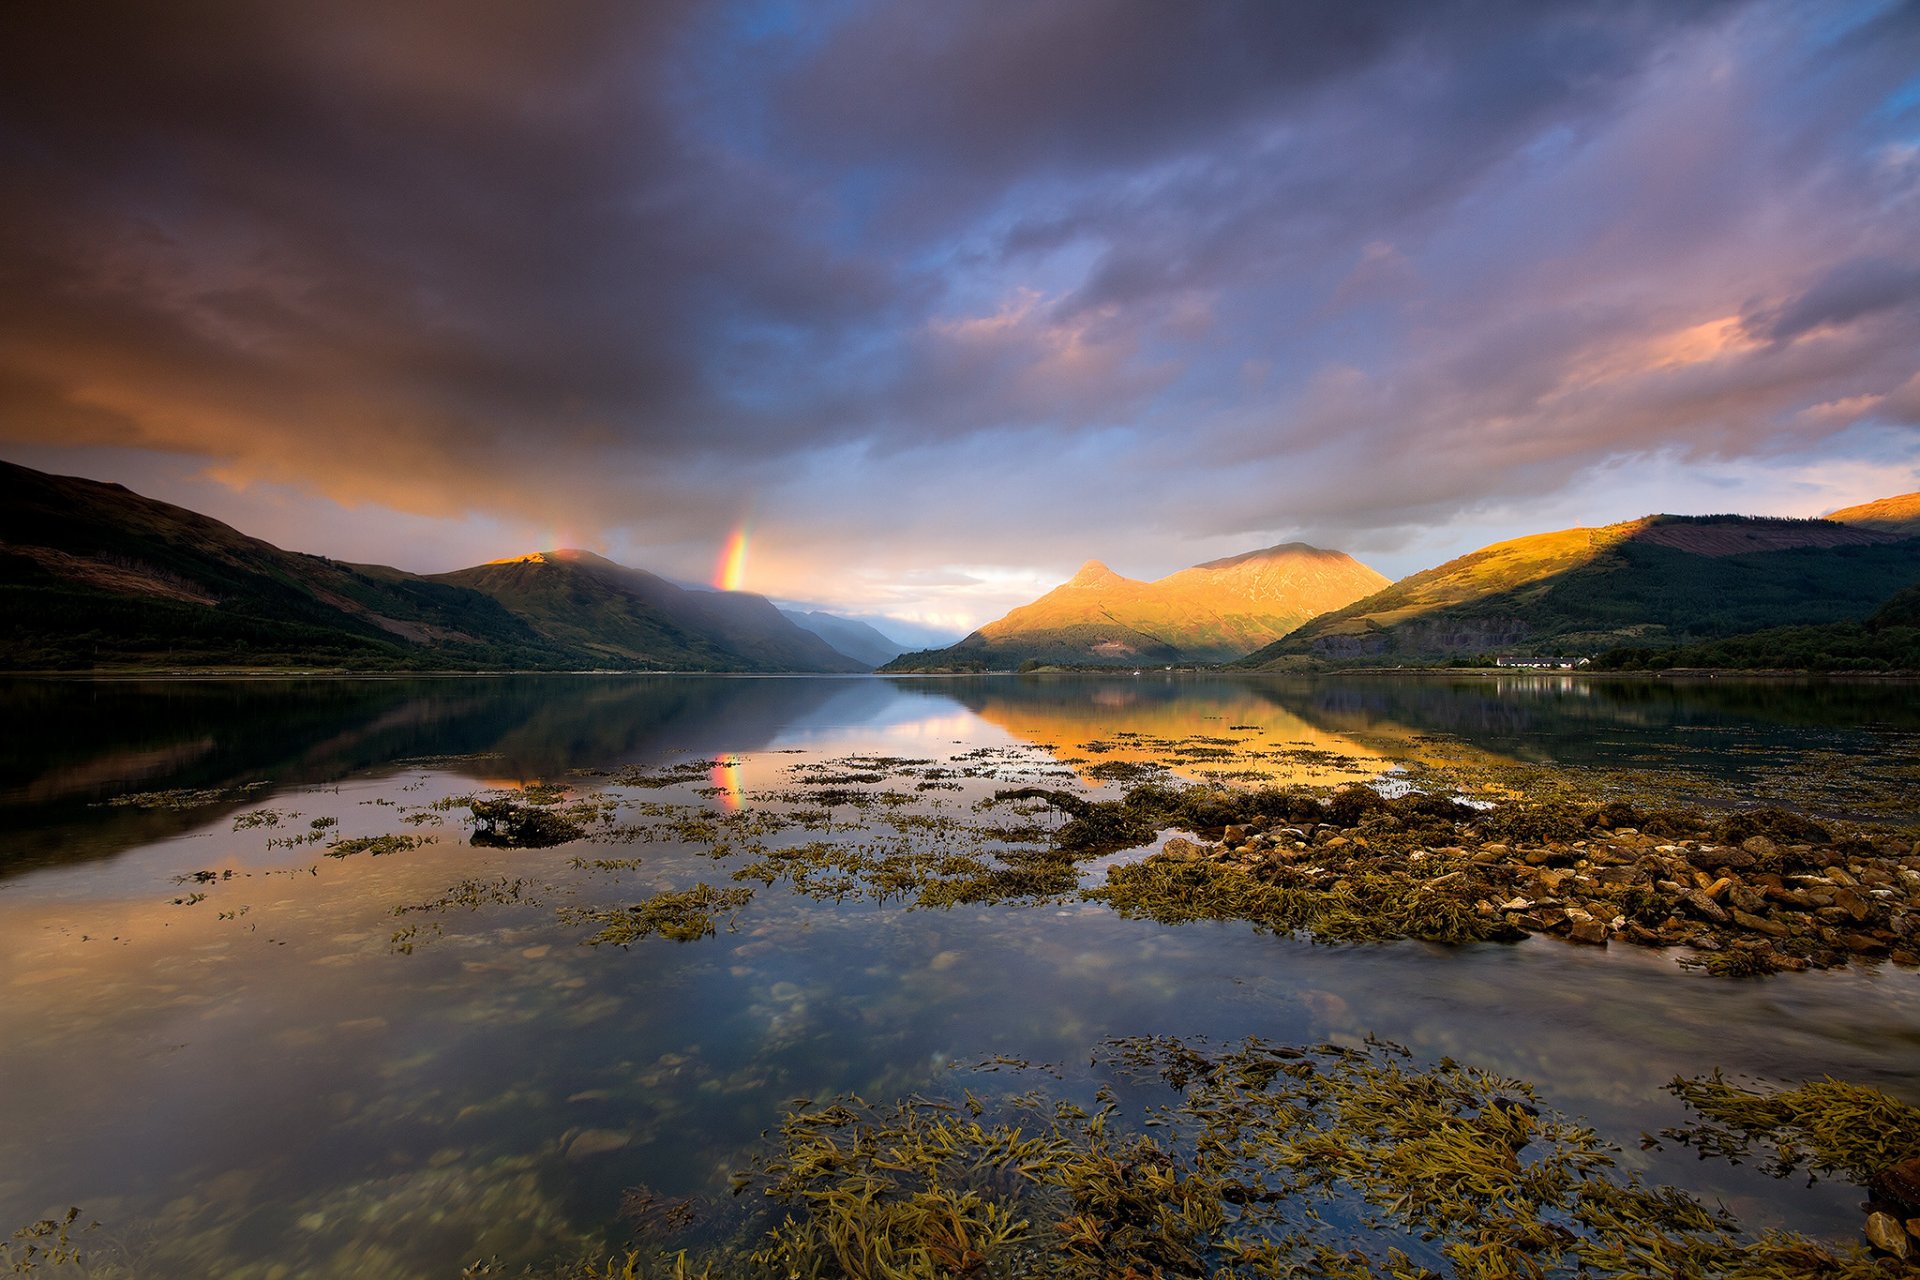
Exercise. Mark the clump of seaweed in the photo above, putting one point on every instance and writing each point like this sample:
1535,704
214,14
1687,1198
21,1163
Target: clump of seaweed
48,1242
506,823
180,799
1826,1126
376,846
1354,908
684,915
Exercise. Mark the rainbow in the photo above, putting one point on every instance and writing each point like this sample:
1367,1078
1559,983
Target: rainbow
731,573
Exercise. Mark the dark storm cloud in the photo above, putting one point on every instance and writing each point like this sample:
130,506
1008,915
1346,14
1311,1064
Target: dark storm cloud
1216,266
466,234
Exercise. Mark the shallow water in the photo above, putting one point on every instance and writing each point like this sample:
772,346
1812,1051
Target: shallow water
269,1077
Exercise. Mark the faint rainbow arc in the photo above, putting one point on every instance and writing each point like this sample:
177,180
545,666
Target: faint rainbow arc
731,573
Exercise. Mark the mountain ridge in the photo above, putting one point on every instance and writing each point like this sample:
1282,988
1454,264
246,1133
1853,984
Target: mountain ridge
1898,515
1205,613
1659,579
96,576
859,640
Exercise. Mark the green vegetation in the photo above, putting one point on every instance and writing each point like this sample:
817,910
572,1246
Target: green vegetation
1888,640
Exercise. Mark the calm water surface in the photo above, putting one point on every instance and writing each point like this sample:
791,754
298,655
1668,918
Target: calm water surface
266,1081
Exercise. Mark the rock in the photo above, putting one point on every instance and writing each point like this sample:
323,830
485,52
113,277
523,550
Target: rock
595,1142
1181,850
1760,847
1888,1234
1589,931
1760,924
1704,906
1853,904
1234,835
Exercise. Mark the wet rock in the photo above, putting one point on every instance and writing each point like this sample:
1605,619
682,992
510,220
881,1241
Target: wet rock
1760,924
1706,907
1853,904
594,1142
1714,857
1888,1234
1899,1183
1589,931
1182,850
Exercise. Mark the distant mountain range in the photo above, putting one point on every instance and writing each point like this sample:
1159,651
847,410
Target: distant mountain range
95,576
850,636
1658,581
1210,613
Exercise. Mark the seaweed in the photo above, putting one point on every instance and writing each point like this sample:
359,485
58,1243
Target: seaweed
684,915
1825,1126
504,822
1272,1161
376,846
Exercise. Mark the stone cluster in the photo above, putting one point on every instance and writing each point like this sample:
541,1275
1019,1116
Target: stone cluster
1763,903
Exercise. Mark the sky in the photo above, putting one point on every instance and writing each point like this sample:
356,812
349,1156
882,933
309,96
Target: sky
933,302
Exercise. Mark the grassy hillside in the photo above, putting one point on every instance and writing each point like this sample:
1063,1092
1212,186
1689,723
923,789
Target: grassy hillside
1656,582
95,575
1899,516
1209,613
625,617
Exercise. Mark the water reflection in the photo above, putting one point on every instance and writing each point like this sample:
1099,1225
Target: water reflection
259,1078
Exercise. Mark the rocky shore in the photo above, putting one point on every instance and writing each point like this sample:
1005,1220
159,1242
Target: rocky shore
1748,893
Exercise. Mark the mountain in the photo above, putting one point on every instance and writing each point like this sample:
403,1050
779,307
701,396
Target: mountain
850,636
1211,612
93,575
1899,516
630,618
1661,580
